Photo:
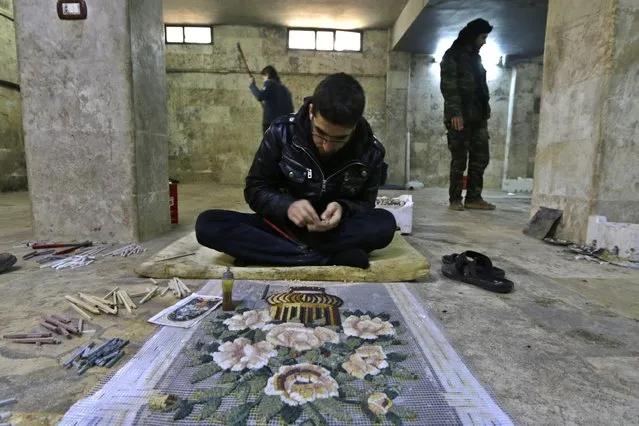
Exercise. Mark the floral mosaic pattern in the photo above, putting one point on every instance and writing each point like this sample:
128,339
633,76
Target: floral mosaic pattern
301,383
366,360
298,374
367,328
250,319
299,337
241,354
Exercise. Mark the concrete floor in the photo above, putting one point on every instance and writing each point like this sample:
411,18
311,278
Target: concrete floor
562,349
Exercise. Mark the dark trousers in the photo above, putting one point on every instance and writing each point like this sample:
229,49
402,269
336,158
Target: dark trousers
468,147
248,238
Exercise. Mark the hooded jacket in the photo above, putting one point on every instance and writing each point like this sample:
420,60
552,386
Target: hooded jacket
463,77
287,168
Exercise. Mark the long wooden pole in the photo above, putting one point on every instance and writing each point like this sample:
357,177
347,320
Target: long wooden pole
248,70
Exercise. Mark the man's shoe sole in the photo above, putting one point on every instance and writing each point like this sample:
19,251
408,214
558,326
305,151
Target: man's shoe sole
456,208
479,207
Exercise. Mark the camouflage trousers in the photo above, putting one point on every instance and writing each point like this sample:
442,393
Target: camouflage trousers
468,147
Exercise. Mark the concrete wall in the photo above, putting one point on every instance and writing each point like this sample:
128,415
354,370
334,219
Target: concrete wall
618,185
525,124
430,158
587,150
13,170
214,121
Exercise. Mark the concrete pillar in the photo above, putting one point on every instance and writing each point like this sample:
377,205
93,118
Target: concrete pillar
397,79
13,171
587,151
94,113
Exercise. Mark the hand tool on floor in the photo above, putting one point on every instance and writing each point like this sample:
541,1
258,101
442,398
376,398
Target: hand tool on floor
127,250
37,246
37,253
176,256
73,248
49,259
8,401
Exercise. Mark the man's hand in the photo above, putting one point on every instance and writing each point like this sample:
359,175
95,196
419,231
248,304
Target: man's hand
302,214
458,123
330,218
252,80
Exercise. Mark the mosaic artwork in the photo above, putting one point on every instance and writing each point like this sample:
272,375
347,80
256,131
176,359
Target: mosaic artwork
354,354
270,369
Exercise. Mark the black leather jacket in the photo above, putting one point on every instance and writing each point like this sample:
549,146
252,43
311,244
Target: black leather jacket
286,168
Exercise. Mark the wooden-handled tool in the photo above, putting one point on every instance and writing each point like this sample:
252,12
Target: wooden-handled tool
248,70
75,247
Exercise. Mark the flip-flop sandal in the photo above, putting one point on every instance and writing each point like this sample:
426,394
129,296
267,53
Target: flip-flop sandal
450,258
477,271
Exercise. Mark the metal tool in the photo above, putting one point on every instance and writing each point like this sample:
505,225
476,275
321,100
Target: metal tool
37,246
37,253
176,256
75,247
127,250
8,401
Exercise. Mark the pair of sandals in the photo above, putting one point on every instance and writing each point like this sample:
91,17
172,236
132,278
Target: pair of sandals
477,269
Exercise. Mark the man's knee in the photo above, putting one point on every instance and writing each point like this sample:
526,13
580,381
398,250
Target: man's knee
208,225
458,157
478,163
458,165
385,226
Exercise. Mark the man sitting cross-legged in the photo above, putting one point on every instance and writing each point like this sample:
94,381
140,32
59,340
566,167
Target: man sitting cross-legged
313,185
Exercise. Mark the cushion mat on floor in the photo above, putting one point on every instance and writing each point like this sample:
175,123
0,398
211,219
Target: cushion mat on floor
397,262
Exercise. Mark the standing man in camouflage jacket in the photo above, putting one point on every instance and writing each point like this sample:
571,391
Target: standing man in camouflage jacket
466,114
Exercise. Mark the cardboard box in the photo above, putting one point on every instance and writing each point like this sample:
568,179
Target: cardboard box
402,208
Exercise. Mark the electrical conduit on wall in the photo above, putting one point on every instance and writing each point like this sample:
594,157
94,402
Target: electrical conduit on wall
509,125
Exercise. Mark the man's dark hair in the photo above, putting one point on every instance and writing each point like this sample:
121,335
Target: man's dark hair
340,99
472,30
270,72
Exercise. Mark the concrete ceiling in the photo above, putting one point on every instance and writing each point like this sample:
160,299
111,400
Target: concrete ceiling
339,14
519,25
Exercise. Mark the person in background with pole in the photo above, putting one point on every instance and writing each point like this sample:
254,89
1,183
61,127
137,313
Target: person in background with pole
276,97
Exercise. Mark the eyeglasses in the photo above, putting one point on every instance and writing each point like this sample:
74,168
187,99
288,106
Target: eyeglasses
316,131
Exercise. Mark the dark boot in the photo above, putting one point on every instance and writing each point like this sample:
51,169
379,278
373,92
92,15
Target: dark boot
478,204
456,205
